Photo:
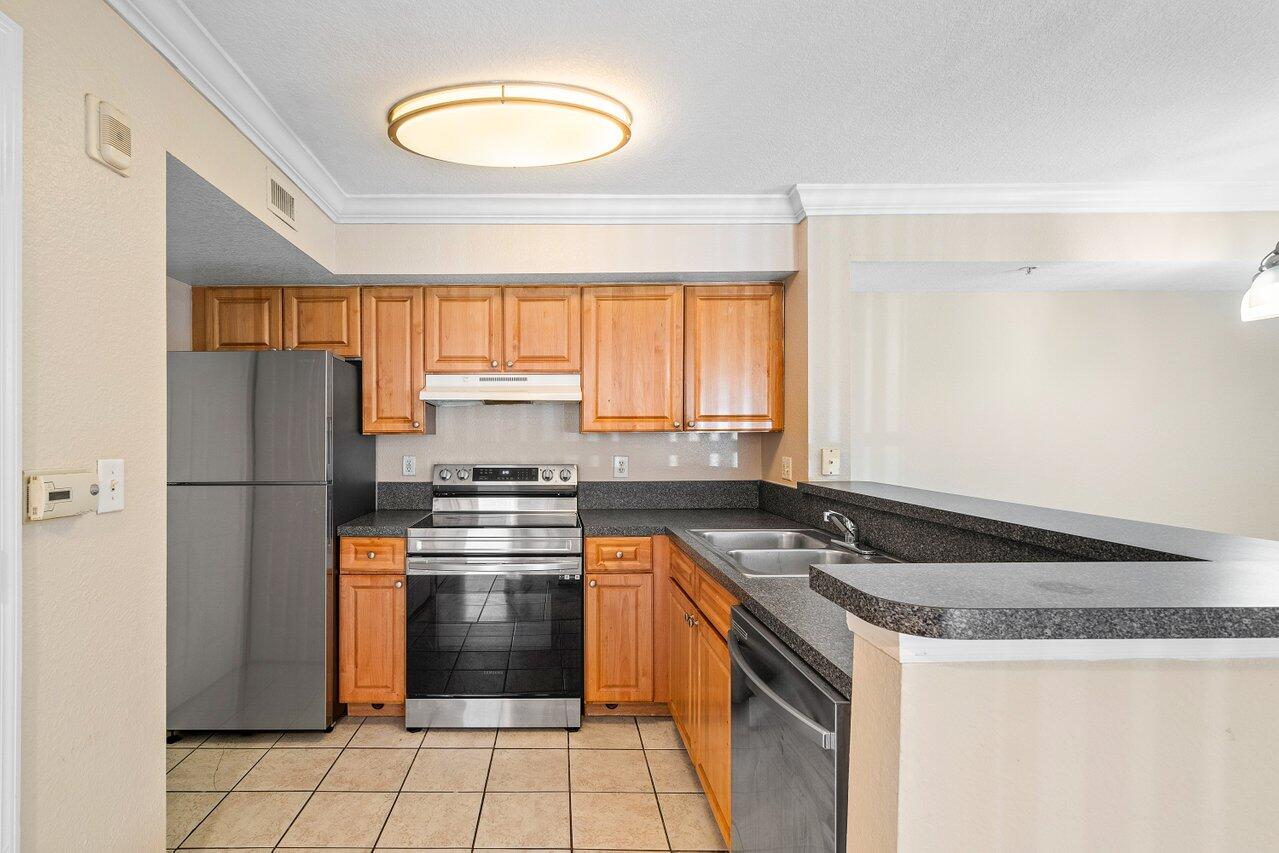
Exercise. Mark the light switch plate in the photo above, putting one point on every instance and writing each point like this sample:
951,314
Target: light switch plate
621,466
788,469
408,465
830,461
110,485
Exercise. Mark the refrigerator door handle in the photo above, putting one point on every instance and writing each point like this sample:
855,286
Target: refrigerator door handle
826,738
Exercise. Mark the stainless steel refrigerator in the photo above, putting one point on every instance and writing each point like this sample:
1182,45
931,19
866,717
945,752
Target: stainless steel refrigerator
266,458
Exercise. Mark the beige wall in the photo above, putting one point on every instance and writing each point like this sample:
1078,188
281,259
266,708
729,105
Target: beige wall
1057,756
851,401
563,249
1155,406
548,432
94,333
793,440
177,315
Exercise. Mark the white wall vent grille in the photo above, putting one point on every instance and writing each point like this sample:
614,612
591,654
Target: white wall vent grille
107,134
280,201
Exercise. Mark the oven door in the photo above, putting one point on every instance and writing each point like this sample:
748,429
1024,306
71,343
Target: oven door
495,627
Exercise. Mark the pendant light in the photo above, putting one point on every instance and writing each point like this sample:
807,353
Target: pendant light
512,124
1261,302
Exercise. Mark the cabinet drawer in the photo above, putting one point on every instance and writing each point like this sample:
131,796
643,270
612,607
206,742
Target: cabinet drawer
619,554
683,572
371,554
715,602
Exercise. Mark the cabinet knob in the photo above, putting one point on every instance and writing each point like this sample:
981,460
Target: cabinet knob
592,583
399,584
372,554
692,423
618,555
494,363
416,424
677,424
510,364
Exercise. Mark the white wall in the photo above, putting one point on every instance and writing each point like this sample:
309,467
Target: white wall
976,395
548,432
1155,406
178,315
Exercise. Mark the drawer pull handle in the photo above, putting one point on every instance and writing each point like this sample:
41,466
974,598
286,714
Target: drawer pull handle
372,555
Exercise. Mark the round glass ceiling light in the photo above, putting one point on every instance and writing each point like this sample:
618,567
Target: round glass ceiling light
510,124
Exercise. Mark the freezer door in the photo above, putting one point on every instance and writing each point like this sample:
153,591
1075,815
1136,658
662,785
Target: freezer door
250,606
244,417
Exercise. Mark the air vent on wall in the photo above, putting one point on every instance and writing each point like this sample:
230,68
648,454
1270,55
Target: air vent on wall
279,200
108,137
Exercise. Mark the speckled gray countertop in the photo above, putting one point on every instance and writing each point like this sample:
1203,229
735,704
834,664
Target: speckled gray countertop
384,522
1229,589
812,627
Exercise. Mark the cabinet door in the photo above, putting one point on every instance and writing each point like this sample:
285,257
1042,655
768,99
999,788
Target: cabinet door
714,690
733,357
391,320
682,665
619,637
542,329
371,628
236,318
463,329
323,318
632,358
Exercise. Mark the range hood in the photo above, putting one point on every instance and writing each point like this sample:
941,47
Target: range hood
501,387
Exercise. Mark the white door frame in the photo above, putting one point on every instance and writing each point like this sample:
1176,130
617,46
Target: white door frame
11,497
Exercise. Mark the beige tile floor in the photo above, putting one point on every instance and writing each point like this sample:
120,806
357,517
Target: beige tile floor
621,783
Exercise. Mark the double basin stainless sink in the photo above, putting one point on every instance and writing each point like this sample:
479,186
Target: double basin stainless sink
782,553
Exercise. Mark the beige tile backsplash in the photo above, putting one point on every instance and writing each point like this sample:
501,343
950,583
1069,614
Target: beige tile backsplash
548,432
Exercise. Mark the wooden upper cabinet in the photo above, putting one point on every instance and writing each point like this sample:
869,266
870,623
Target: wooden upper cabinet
235,318
542,329
733,357
372,624
632,358
619,637
391,337
325,318
463,329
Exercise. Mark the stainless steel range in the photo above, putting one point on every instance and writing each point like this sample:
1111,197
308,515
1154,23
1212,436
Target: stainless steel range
495,600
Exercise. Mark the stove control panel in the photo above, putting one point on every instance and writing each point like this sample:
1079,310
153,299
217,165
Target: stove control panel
511,475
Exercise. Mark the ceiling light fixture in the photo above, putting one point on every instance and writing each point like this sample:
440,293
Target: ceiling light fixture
510,124
1261,302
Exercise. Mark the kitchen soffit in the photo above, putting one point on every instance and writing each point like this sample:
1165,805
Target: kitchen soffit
872,107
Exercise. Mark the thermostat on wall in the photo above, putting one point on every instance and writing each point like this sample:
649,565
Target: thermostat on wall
60,493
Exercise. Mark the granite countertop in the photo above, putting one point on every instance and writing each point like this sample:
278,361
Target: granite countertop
812,627
1222,586
384,522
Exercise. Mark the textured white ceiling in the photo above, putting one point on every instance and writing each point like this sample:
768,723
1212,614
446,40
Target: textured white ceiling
752,96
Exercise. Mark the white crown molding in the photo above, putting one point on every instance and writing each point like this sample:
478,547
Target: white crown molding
572,209
880,199
169,27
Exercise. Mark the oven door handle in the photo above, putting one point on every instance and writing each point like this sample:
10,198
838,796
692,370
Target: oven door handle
498,566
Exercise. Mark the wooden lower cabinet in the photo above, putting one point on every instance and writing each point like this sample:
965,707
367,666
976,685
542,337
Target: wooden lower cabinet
700,696
619,637
371,628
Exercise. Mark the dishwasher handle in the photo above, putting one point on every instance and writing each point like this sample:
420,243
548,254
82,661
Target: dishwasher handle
826,738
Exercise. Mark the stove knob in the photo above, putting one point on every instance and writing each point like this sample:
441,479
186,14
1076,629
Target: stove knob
445,474
566,475
463,474
548,475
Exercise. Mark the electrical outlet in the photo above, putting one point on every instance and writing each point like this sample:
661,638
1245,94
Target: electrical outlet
409,466
621,466
788,469
110,485
830,461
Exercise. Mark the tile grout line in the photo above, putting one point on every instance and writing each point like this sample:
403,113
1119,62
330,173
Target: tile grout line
479,816
307,802
661,815
400,790
215,775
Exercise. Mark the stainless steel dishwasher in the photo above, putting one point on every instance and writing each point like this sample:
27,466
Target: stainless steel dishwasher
790,747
